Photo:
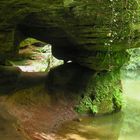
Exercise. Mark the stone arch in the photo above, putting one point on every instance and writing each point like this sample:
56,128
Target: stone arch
34,56
35,26
79,31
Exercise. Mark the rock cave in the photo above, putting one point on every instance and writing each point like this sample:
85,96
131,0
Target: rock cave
93,35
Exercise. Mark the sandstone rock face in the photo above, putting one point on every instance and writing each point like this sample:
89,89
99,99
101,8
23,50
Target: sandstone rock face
95,93
35,57
9,78
91,33
78,30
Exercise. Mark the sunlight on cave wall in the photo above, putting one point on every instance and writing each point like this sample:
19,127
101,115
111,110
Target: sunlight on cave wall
35,56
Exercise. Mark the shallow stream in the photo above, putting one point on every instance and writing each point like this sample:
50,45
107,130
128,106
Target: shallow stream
124,125
120,126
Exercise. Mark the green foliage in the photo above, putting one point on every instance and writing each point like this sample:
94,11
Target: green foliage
131,69
134,63
117,99
124,16
108,92
87,105
104,96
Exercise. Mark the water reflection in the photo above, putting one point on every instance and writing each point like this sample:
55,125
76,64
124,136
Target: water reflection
119,126
100,128
131,125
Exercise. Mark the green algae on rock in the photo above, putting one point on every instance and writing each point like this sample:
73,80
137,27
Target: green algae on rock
103,94
93,34
93,92
71,26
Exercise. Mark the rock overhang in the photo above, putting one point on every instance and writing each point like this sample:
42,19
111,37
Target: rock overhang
71,26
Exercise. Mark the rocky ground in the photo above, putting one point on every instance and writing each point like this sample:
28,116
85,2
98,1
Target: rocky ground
38,115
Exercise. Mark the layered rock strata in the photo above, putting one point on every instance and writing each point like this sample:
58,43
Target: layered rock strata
94,34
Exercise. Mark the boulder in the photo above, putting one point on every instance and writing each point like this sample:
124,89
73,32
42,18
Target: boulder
94,92
93,34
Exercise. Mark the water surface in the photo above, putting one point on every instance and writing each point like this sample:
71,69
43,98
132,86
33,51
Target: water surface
123,125
119,126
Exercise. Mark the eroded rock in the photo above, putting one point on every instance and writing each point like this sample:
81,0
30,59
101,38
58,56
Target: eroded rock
93,33
70,26
95,92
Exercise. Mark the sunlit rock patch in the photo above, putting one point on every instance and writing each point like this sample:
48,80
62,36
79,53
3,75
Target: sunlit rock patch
92,35
35,56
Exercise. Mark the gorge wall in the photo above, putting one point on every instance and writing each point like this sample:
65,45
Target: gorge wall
93,34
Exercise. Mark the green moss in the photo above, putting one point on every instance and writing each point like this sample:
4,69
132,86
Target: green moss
102,95
117,99
103,60
28,42
87,105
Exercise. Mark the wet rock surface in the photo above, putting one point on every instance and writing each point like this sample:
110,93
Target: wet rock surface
8,124
93,35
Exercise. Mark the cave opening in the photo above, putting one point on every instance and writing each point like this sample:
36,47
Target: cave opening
34,56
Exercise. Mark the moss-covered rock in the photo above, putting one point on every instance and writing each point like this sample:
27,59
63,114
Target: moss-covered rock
102,60
71,26
93,33
105,96
93,92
